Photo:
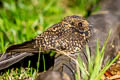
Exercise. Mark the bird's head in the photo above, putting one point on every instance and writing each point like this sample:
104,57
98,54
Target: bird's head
77,22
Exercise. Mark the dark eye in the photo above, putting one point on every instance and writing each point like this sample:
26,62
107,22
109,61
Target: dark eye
80,24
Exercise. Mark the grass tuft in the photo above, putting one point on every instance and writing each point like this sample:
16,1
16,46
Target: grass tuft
94,70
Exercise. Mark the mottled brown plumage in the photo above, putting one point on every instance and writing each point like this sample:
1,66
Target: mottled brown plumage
68,36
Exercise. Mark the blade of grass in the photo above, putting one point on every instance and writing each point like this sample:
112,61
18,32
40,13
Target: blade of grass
44,63
38,62
90,60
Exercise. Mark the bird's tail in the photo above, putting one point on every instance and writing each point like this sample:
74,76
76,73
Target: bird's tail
16,53
24,47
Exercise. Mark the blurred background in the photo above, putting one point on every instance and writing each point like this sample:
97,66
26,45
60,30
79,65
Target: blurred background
22,20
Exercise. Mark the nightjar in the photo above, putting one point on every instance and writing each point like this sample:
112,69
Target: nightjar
68,36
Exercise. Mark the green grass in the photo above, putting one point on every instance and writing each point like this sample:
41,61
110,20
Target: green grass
94,70
22,20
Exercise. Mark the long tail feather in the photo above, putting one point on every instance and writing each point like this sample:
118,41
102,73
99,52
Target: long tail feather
24,47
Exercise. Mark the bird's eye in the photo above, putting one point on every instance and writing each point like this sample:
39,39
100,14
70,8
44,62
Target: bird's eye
80,24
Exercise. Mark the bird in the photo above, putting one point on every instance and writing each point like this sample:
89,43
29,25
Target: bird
69,36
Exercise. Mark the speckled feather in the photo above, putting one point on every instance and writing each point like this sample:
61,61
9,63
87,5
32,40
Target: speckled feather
68,36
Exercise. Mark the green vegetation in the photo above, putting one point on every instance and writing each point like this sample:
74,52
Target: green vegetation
93,71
